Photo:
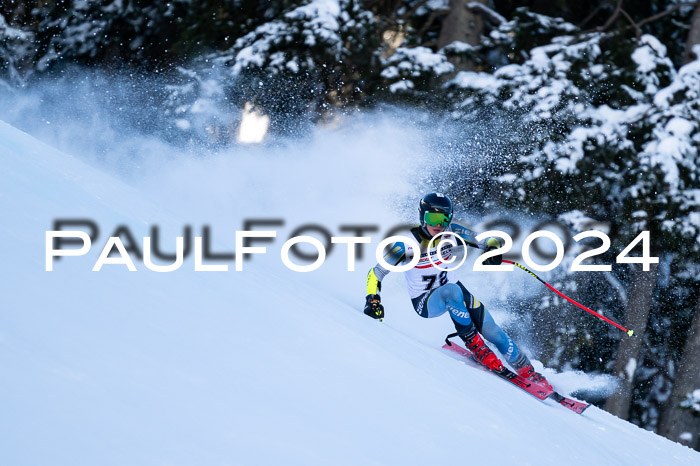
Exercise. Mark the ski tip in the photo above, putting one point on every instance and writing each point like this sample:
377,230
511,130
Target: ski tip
630,332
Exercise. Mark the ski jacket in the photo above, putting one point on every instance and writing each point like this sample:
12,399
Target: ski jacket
425,276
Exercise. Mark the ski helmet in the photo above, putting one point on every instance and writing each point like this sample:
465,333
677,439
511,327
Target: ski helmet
435,209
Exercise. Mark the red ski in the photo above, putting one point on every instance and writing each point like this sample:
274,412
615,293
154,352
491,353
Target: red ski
532,388
575,406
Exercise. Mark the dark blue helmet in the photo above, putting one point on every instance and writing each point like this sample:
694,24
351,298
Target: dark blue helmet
435,209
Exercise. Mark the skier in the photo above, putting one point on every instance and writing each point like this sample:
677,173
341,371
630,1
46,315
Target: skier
434,292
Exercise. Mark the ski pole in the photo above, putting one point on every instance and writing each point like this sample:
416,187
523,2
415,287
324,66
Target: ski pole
629,332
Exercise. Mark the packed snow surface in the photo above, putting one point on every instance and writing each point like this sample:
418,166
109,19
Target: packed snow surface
262,366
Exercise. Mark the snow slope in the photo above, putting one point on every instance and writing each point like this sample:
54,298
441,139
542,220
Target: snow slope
259,367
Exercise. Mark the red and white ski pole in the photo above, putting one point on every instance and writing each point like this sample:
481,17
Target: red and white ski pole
629,332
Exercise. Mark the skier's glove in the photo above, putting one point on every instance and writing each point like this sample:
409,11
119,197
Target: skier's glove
492,244
373,307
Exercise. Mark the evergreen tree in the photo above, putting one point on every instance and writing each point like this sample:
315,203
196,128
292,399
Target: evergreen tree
15,52
108,32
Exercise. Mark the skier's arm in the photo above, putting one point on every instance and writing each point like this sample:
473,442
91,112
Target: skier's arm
373,306
467,235
487,244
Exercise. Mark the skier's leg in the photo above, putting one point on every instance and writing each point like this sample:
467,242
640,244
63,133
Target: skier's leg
449,297
505,344
509,350
495,334
488,328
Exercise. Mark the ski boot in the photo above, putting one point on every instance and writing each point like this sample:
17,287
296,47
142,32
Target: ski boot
481,352
528,372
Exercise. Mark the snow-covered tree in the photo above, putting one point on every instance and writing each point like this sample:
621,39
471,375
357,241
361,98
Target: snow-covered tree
15,53
680,419
128,32
412,72
321,51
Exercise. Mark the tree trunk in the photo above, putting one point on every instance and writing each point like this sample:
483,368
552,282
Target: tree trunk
693,36
674,420
461,24
636,317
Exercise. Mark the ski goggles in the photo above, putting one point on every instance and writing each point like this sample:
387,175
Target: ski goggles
437,219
